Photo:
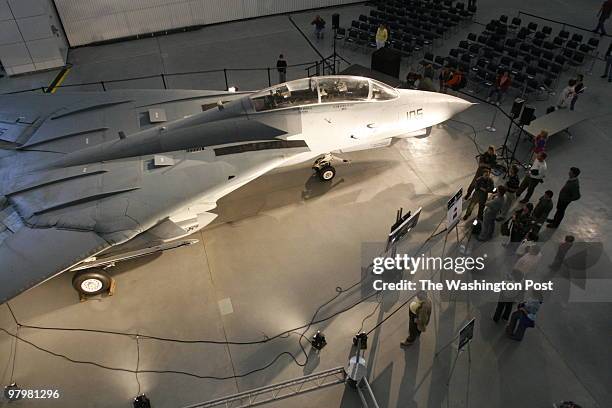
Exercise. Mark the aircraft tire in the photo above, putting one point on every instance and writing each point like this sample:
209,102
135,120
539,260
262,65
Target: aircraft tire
326,173
91,282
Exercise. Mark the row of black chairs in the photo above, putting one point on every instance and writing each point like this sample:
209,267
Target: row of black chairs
412,25
533,57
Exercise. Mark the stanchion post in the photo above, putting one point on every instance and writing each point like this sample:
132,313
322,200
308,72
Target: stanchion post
225,75
163,77
269,78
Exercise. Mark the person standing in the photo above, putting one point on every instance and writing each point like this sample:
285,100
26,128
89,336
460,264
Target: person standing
281,67
492,209
512,185
567,94
521,223
570,192
562,251
540,141
603,14
483,186
542,209
528,263
319,24
502,83
444,77
523,318
486,161
578,89
608,57
508,297
534,176
382,34
419,313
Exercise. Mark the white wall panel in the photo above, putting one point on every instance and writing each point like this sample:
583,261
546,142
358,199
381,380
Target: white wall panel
27,42
83,19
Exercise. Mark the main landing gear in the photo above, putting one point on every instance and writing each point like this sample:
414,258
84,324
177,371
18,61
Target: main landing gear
322,166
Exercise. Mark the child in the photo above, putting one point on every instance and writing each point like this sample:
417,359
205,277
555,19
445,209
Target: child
567,94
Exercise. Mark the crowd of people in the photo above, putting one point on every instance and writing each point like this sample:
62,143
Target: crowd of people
520,225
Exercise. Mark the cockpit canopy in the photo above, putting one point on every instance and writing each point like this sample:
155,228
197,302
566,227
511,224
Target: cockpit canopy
330,89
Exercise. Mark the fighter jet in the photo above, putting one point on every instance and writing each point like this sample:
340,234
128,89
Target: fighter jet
89,179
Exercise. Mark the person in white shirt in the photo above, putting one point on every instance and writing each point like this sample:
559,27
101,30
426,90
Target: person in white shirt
527,263
534,176
567,94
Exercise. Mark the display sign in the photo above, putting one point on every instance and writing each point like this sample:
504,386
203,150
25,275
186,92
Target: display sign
454,210
466,333
403,224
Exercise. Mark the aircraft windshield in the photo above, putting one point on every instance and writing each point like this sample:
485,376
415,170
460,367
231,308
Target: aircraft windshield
321,90
381,92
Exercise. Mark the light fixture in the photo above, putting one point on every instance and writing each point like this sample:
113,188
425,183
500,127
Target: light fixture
232,89
142,401
318,340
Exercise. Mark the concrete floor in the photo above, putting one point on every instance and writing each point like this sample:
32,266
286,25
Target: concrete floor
283,243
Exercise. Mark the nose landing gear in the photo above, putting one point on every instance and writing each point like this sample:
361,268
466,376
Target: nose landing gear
322,166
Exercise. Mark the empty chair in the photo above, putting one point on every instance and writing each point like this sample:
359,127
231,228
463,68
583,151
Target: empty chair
577,37
577,60
472,37
539,35
340,33
516,23
464,45
558,42
560,60
547,30
564,35
531,72
355,24
505,62
466,59
538,42
503,19
428,58
547,45
363,17
513,54
439,61
571,45
517,66
532,27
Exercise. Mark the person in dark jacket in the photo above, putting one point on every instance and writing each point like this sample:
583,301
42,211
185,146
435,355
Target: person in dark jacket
486,161
542,209
281,67
502,84
483,186
521,223
512,185
570,192
319,24
603,14
492,209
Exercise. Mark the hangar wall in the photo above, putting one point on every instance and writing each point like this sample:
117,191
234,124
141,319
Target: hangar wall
88,21
31,38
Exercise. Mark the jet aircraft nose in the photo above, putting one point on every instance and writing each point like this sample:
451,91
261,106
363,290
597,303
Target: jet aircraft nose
436,107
